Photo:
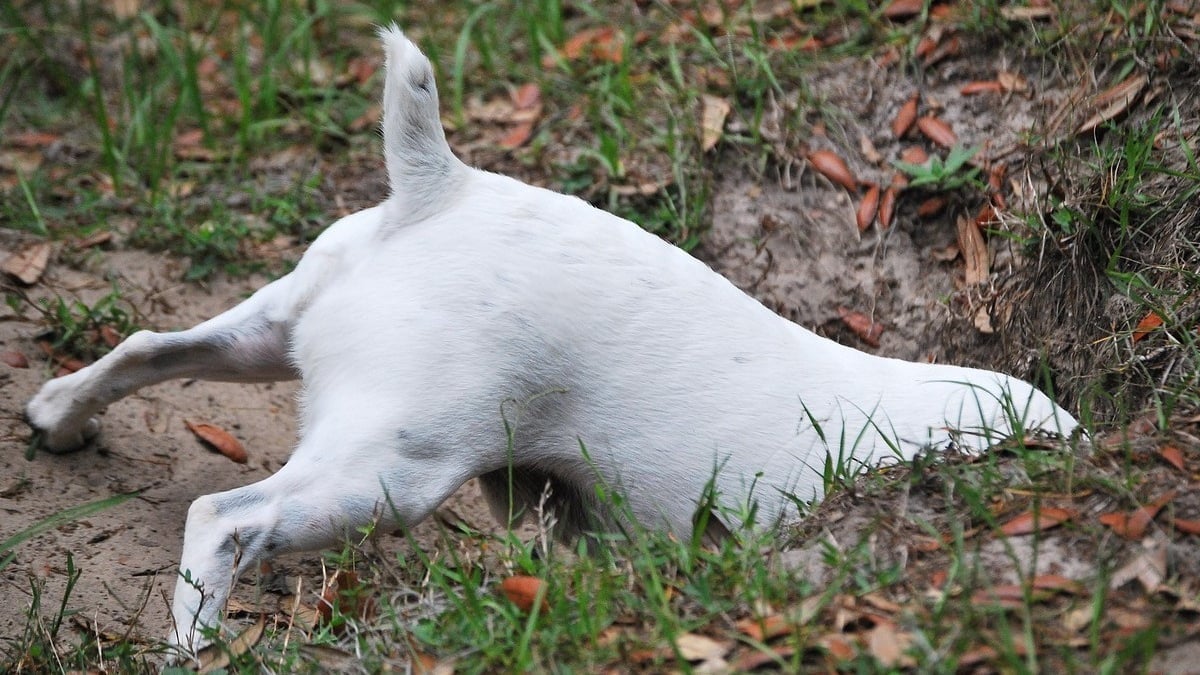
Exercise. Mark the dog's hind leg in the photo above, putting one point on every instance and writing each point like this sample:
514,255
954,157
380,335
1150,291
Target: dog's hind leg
249,343
347,472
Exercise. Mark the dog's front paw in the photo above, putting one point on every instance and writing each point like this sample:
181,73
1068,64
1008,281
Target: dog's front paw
62,421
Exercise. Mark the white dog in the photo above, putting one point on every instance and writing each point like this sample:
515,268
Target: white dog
469,304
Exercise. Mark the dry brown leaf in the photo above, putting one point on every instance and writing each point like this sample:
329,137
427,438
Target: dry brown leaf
1059,583
1172,455
839,646
974,252
981,87
346,593
517,136
1186,525
522,591
1113,101
693,647
946,254
861,325
1147,325
830,165
713,112
937,131
887,208
887,645
527,96
914,154
14,359
903,9
905,117
28,264
1148,566
867,208
868,150
603,43
1036,521
109,336
931,207
1011,81
218,656
94,239
1033,13
765,628
32,140
1133,525
753,660
219,439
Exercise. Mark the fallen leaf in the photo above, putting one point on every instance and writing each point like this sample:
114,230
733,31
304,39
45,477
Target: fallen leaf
216,657
219,439
1133,525
887,208
974,252
1012,81
517,136
1186,526
765,628
1056,582
903,9
838,646
946,254
861,325
349,596
1113,101
66,364
94,239
109,336
914,154
1172,455
28,264
32,140
1032,13
937,131
888,645
753,660
981,87
1147,325
868,150
830,165
1148,566
905,117
603,43
713,112
996,176
693,647
867,208
527,96
1036,521
14,359
522,591
931,207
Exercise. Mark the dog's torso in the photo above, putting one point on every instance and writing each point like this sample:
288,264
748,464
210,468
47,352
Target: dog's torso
583,331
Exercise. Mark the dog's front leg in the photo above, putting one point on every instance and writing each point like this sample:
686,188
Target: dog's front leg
249,343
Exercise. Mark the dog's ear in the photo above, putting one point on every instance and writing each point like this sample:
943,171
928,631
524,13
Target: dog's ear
419,161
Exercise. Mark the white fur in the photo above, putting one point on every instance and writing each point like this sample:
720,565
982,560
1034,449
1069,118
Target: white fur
468,300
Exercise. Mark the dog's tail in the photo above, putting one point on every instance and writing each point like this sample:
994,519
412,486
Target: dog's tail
421,167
